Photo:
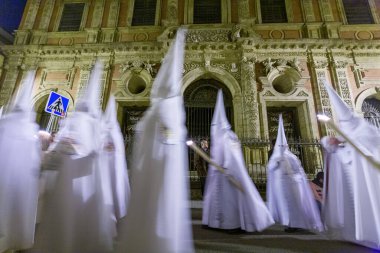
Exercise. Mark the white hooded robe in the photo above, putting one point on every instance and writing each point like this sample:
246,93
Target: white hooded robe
19,167
224,205
289,196
113,159
158,218
364,176
76,218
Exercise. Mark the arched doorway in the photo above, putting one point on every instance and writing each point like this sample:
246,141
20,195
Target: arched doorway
43,118
371,110
200,98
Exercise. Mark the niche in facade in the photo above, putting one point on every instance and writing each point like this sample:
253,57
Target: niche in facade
136,84
284,79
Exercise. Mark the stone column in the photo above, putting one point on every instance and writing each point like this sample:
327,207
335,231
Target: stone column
325,7
113,14
11,72
250,104
308,10
46,15
172,13
31,15
97,15
243,11
109,33
319,74
85,71
340,80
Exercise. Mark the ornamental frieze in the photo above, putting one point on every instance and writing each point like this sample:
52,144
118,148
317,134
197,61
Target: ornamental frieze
217,35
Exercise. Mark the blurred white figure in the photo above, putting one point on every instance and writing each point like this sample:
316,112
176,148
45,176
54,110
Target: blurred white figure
45,139
338,211
290,199
19,167
114,164
224,205
1,111
158,219
363,179
75,217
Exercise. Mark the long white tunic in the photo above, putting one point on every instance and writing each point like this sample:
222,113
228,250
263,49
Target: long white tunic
338,211
114,168
360,201
19,167
158,218
75,216
225,206
289,196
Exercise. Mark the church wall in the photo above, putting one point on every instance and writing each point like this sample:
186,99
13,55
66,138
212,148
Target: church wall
240,47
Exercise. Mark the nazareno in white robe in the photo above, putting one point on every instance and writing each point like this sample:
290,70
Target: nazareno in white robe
289,197
338,211
76,218
114,165
19,167
158,218
224,205
20,152
365,176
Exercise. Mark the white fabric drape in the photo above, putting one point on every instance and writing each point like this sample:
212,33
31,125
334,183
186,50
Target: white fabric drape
158,218
225,206
289,196
19,167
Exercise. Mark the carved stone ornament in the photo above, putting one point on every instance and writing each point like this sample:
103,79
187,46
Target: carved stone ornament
320,64
340,64
268,94
218,35
302,94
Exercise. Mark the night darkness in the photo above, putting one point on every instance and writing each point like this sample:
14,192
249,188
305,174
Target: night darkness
11,13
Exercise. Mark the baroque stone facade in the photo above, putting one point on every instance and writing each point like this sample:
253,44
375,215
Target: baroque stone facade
266,67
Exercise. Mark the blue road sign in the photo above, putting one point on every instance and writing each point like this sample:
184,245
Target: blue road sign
57,104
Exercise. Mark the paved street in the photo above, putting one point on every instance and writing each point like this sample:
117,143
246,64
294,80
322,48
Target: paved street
272,240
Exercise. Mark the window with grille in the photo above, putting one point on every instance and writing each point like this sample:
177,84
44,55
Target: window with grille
144,12
358,12
71,17
207,12
273,11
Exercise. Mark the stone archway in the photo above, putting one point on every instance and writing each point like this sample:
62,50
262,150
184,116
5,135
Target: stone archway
42,117
200,98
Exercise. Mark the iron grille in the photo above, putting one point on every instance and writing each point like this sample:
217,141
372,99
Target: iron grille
207,12
71,17
273,11
358,12
144,12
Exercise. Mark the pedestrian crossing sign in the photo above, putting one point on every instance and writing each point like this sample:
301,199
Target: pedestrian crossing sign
57,104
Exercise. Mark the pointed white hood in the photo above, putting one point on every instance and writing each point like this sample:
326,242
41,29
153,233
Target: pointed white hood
160,161
110,113
23,99
89,100
281,143
168,80
220,117
341,109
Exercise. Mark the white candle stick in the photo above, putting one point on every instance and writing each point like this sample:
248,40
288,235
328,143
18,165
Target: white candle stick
331,124
205,156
